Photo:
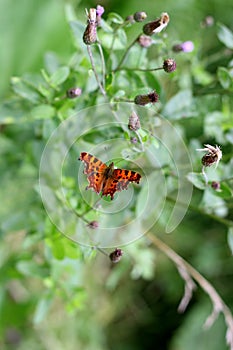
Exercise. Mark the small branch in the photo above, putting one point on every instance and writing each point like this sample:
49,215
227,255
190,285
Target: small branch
94,70
140,69
189,273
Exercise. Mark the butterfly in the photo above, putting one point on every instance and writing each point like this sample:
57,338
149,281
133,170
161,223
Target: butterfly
104,178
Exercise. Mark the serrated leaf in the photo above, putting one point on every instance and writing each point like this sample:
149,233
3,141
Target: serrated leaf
230,239
197,180
224,77
59,76
24,90
225,35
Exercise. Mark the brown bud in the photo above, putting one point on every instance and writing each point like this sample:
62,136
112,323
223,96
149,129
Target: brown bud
169,65
134,122
140,16
143,100
158,25
116,255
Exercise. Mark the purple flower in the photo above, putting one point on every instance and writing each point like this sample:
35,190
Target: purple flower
99,10
186,46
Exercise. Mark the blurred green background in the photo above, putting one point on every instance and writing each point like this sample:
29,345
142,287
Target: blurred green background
123,313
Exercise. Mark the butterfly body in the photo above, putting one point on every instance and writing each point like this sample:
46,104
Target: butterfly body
105,178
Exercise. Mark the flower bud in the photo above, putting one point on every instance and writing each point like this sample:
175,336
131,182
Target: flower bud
144,41
130,19
73,92
158,25
143,100
116,255
134,122
140,16
90,35
133,140
186,46
99,12
215,185
169,65
93,224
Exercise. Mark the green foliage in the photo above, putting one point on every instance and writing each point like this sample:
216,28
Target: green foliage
52,257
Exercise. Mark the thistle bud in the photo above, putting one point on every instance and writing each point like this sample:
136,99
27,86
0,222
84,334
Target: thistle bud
213,155
93,225
130,19
133,140
215,185
144,41
143,100
140,16
73,92
169,65
158,25
134,122
186,46
116,255
90,35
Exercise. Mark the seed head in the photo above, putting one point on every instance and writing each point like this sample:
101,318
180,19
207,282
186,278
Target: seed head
116,255
169,65
213,155
140,16
158,25
143,100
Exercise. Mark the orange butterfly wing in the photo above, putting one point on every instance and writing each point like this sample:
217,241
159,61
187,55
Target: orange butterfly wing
95,170
105,178
119,181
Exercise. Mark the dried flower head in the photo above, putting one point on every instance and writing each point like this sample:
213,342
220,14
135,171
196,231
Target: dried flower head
140,16
169,65
143,100
213,155
116,255
73,92
134,122
90,35
144,41
186,46
93,224
158,25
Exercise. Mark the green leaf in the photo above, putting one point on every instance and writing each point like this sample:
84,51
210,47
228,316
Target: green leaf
225,35
224,77
42,112
42,308
179,106
230,239
197,180
58,249
30,268
59,76
24,90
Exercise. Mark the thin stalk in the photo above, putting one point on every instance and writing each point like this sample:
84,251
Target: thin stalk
125,54
94,70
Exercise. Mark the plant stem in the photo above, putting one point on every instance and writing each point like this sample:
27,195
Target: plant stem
94,70
125,54
103,63
140,69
